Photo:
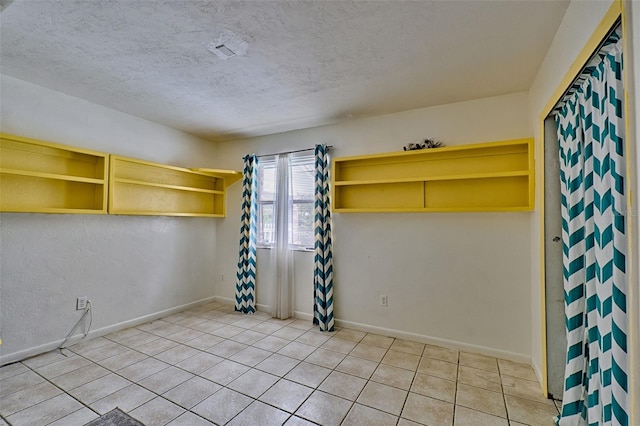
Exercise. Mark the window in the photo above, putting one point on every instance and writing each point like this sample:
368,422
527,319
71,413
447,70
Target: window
301,200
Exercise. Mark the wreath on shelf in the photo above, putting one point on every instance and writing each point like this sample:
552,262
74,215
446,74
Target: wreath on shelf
423,144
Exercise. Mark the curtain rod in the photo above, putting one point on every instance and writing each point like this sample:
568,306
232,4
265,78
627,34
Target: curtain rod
291,152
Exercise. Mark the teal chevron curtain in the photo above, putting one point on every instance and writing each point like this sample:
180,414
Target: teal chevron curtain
323,253
590,127
246,275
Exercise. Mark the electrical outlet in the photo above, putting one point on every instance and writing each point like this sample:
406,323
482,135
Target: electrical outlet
383,300
81,303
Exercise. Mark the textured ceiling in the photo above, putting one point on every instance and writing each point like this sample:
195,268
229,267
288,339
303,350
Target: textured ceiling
307,64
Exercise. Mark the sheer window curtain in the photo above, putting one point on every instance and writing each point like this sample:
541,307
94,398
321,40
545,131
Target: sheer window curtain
281,254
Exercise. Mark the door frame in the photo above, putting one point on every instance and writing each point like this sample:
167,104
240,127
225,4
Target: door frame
553,263
615,13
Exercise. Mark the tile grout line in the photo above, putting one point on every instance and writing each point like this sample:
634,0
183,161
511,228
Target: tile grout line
153,391
353,403
170,365
504,398
64,392
455,394
317,388
113,372
415,373
305,330
222,386
197,375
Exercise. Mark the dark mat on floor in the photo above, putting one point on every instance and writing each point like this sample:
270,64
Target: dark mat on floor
115,417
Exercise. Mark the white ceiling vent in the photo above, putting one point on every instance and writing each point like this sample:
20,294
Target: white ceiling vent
223,51
228,45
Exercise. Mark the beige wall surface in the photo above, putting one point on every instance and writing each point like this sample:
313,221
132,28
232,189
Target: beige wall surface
461,279
128,266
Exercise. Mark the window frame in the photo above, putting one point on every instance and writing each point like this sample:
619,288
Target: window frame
260,243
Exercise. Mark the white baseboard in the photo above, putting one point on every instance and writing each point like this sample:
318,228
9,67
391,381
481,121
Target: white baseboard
303,315
37,350
230,301
538,372
453,344
226,300
20,355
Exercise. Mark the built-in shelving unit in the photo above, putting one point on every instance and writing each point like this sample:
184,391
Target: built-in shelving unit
229,176
44,177
493,176
143,188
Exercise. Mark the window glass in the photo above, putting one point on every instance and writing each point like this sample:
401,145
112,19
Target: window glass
301,200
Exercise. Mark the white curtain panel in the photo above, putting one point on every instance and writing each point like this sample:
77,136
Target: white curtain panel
281,255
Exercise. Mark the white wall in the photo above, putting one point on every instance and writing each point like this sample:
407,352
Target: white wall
462,279
128,266
579,22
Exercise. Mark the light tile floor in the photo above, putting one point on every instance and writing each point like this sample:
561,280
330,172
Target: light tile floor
210,365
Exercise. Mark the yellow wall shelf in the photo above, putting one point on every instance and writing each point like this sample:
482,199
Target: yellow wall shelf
492,176
143,188
229,176
44,177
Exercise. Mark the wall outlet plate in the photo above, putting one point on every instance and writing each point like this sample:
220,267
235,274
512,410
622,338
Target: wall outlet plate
383,300
81,303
